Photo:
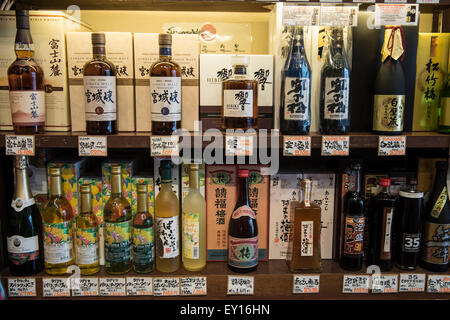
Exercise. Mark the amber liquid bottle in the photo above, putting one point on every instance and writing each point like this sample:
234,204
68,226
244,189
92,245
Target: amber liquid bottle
165,90
26,82
99,79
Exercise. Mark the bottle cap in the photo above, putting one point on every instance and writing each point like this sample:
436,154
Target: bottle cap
165,170
385,182
98,38
141,188
441,164
55,171
239,61
20,162
85,188
116,169
193,167
22,19
165,39
412,181
243,173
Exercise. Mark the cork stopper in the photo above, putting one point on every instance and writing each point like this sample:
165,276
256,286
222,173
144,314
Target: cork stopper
98,38
20,162
55,171
85,188
116,169
165,39
141,188
22,19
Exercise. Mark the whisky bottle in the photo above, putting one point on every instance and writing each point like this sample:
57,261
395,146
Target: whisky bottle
117,218
165,90
99,79
240,98
390,85
87,234
24,235
304,232
444,112
335,86
58,221
26,82
295,111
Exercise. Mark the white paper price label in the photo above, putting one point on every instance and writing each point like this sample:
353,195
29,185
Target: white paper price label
19,145
139,286
385,283
165,287
396,14
331,1
395,1
306,283
335,145
22,287
56,287
239,285
193,286
392,146
84,287
355,284
412,282
438,283
296,146
164,146
239,145
427,1
90,146
112,287
338,15
364,1
301,15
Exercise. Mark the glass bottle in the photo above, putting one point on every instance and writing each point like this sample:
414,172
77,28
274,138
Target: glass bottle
24,237
58,222
335,86
99,79
295,109
194,224
117,218
444,111
143,239
87,234
243,231
26,82
167,213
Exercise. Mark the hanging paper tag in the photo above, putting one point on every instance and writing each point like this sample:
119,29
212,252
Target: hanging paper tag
396,14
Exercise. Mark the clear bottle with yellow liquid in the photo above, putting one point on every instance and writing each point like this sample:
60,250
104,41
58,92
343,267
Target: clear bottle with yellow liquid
57,220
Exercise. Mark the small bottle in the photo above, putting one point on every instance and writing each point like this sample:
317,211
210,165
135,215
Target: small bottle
58,222
117,218
243,231
143,242
99,79
165,90
26,82
240,98
444,111
87,235
304,232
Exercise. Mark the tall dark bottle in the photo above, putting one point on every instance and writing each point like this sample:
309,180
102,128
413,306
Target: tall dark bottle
295,109
24,227
436,224
335,87
354,222
390,85
243,231
382,228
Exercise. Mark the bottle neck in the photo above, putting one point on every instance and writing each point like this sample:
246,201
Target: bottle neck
165,53
357,180
307,188
98,51
243,198
22,188
440,179
193,179
116,184
86,204
24,47
384,189
55,186
142,204
393,44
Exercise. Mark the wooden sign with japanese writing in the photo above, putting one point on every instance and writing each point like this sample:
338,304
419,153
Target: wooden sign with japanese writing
19,145
296,146
164,146
392,145
90,146
193,286
385,283
164,287
22,287
355,284
306,284
240,285
335,145
56,287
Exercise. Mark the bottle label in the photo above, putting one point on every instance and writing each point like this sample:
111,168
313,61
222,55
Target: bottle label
444,116
411,242
58,247
165,98
27,107
242,252
388,112
436,243
336,98
167,237
439,204
143,246
100,98
238,103
388,214
21,250
117,242
191,235
243,211
296,98
87,250
19,204
307,238
354,235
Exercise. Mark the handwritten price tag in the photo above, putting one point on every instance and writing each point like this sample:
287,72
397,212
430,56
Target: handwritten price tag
22,287
335,145
239,145
89,146
164,287
19,145
391,146
356,284
139,286
385,283
56,287
296,146
84,287
112,286
412,282
240,285
438,283
164,146
193,286
306,284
